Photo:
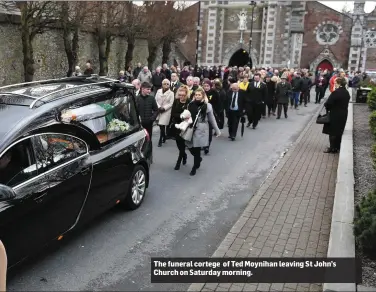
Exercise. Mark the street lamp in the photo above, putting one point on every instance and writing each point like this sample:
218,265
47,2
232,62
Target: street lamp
253,4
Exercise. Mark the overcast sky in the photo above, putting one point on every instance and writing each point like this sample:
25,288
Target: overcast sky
337,5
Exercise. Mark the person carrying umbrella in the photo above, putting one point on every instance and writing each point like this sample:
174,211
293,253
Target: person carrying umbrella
235,110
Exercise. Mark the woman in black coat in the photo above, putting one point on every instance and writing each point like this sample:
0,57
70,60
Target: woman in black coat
336,105
180,104
269,102
215,101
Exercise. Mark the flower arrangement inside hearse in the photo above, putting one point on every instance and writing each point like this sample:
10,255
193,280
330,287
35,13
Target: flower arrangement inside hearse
117,126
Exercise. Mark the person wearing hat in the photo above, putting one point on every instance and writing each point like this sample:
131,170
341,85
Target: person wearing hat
282,94
147,107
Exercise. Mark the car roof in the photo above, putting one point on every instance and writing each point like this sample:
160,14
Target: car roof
23,104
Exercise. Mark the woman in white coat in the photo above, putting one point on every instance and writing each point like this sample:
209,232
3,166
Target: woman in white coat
3,267
165,99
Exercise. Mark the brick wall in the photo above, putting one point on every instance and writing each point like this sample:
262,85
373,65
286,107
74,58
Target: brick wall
316,14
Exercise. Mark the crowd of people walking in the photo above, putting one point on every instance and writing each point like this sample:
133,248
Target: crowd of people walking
189,106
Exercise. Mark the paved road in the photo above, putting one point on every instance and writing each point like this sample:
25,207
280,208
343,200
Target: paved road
181,216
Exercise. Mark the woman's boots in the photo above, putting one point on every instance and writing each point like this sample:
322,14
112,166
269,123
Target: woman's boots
180,160
197,164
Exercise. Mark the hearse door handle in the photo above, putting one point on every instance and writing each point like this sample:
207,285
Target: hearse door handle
40,198
85,171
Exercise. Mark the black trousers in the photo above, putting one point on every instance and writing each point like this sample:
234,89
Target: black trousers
320,91
162,133
196,153
335,142
254,113
221,120
304,97
148,127
279,109
271,108
180,143
233,123
263,109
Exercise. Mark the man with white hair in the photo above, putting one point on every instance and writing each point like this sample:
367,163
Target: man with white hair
156,79
145,75
137,84
175,83
190,84
77,71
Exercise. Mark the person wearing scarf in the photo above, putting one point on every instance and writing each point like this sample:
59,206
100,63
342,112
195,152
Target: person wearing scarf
203,110
214,100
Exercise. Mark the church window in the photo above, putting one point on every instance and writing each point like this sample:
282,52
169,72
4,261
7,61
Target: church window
328,33
370,39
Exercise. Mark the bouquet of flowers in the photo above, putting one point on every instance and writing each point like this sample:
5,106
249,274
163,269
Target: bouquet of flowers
117,126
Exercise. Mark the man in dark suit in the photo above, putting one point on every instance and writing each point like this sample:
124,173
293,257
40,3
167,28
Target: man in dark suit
257,93
235,109
175,83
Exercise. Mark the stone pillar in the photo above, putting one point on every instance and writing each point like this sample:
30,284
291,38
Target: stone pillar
269,40
199,49
212,40
297,32
219,47
263,35
286,41
357,35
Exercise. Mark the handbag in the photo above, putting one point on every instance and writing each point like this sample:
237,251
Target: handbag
187,135
323,119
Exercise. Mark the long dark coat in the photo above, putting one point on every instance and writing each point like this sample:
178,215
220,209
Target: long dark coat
337,105
271,92
282,92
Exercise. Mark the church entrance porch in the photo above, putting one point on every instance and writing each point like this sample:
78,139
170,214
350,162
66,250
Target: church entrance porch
240,59
325,65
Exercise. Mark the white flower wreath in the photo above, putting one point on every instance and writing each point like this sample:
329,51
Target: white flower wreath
117,126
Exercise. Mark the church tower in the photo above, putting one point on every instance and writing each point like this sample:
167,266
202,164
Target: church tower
357,56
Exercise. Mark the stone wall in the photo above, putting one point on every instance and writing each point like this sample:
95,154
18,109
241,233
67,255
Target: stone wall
311,47
50,57
370,62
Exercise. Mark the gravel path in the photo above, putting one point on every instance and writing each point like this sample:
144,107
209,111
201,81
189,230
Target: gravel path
365,177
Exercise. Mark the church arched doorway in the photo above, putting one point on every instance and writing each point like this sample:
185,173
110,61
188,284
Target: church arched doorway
325,65
240,58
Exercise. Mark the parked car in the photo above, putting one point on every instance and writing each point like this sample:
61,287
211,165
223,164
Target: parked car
70,149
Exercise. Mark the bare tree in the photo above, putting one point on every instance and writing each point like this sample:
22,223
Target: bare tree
133,25
36,16
71,17
179,24
106,21
155,12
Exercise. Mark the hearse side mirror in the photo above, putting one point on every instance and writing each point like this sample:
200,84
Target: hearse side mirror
6,193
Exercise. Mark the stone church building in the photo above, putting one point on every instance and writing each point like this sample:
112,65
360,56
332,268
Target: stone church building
295,34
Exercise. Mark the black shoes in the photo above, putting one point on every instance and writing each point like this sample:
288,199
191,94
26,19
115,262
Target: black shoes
184,159
330,150
193,172
206,150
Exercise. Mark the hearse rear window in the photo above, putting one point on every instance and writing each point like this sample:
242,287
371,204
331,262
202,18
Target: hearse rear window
108,119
